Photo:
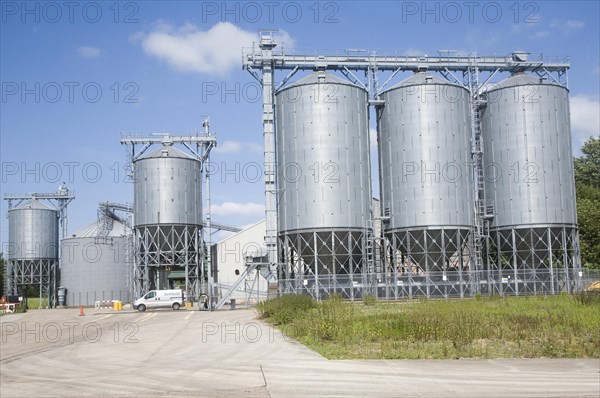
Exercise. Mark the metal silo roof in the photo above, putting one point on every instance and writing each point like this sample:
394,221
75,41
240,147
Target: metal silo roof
520,79
321,78
421,78
91,231
167,151
34,204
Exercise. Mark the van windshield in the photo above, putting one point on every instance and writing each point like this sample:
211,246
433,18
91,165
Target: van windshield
150,295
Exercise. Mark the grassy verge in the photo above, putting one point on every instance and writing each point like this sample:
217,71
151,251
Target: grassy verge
511,327
34,302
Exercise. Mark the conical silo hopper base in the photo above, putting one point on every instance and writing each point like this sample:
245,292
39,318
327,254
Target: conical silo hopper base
430,251
322,253
535,260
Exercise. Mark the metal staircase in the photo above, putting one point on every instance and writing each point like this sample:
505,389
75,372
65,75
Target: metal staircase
249,268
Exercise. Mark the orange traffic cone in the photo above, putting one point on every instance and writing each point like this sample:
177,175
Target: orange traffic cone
81,313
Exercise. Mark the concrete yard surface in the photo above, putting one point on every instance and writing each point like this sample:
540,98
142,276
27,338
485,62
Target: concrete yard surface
47,353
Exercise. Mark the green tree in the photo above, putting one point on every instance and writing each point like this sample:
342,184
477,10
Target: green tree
587,167
587,180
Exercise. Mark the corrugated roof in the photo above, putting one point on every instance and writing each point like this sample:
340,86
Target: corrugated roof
91,231
320,78
235,234
168,151
34,204
421,78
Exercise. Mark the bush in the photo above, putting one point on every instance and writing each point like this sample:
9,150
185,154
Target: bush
588,298
331,315
285,309
369,300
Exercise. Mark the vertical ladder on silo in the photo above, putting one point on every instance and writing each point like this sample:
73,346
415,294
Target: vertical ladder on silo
369,248
369,256
477,153
481,235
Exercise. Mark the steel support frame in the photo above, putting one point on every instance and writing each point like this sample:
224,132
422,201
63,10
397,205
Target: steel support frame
41,272
281,60
540,259
163,248
323,262
431,262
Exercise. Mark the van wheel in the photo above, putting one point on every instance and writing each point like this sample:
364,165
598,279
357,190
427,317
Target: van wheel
141,308
176,306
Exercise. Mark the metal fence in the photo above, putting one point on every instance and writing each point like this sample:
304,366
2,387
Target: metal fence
88,298
588,276
441,284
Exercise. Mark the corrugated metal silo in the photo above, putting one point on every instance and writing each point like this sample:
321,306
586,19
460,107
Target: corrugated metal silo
168,189
96,266
32,248
322,140
33,231
426,180
530,183
167,217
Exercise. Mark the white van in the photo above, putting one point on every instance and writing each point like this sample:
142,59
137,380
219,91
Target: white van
160,299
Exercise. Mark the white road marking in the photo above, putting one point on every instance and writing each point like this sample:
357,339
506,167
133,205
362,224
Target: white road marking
148,317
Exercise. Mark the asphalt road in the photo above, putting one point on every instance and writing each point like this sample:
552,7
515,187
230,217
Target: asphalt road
182,353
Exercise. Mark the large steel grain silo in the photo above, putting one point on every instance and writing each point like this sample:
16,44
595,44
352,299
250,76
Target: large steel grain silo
322,144
530,184
167,219
426,180
96,265
33,247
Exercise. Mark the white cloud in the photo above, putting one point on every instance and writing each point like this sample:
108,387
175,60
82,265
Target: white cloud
136,37
523,27
585,118
88,52
482,39
228,209
568,26
539,35
237,147
574,24
187,49
229,147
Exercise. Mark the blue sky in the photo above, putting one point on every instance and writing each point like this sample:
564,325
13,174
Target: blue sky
74,77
